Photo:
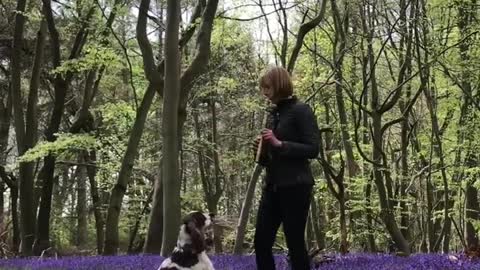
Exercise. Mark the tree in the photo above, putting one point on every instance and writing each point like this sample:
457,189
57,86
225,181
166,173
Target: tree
171,183
25,129
61,85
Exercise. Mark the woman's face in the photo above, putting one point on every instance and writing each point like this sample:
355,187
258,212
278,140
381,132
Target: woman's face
267,91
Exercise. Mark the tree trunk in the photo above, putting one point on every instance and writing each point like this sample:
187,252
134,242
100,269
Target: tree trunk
471,213
25,130
212,186
2,212
155,78
118,191
247,205
96,201
382,182
467,16
171,182
386,213
341,28
309,239
5,115
343,224
82,211
15,220
219,180
405,60
61,84
367,174
369,216
318,223
131,249
12,184
335,179
153,242
196,68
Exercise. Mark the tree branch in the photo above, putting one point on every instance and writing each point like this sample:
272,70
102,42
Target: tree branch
302,32
52,29
200,61
222,16
272,40
144,44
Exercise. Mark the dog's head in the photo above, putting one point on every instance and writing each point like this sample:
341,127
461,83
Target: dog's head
199,227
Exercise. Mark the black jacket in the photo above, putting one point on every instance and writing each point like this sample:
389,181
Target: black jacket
293,123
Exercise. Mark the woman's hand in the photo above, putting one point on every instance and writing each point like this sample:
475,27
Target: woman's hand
267,135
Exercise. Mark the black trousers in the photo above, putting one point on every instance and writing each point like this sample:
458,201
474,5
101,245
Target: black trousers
287,206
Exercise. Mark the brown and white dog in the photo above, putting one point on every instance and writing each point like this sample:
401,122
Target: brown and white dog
194,237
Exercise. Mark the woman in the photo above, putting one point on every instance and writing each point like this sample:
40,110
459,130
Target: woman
289,140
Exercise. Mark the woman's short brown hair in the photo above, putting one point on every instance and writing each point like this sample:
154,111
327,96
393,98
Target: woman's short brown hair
279,80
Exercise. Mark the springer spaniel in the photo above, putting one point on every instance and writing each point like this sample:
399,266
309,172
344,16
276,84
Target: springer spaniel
194,237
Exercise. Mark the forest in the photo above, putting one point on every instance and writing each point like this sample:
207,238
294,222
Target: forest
114,125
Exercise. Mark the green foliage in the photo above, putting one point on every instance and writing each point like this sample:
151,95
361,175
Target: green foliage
95,56
66,145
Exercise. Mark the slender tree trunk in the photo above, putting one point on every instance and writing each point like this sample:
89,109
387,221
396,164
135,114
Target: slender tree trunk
405,60
96,201
134,232
309,238
211,186
335,179
369,217
343,225
341,28
2,212
219,179
15,219
153,242
118,191
404,222
12,184
318,222
247,205
367,173
82,211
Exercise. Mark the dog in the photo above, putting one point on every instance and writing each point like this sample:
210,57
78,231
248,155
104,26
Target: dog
194,238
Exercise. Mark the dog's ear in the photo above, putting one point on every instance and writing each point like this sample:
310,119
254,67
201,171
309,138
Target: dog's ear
198,239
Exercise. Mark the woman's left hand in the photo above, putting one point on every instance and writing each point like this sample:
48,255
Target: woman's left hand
267,135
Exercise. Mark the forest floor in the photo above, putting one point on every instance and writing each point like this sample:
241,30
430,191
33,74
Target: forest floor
230,262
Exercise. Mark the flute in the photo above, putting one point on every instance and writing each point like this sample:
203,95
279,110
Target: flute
260,143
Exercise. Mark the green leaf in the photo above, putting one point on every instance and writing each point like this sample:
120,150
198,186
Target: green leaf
66,143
